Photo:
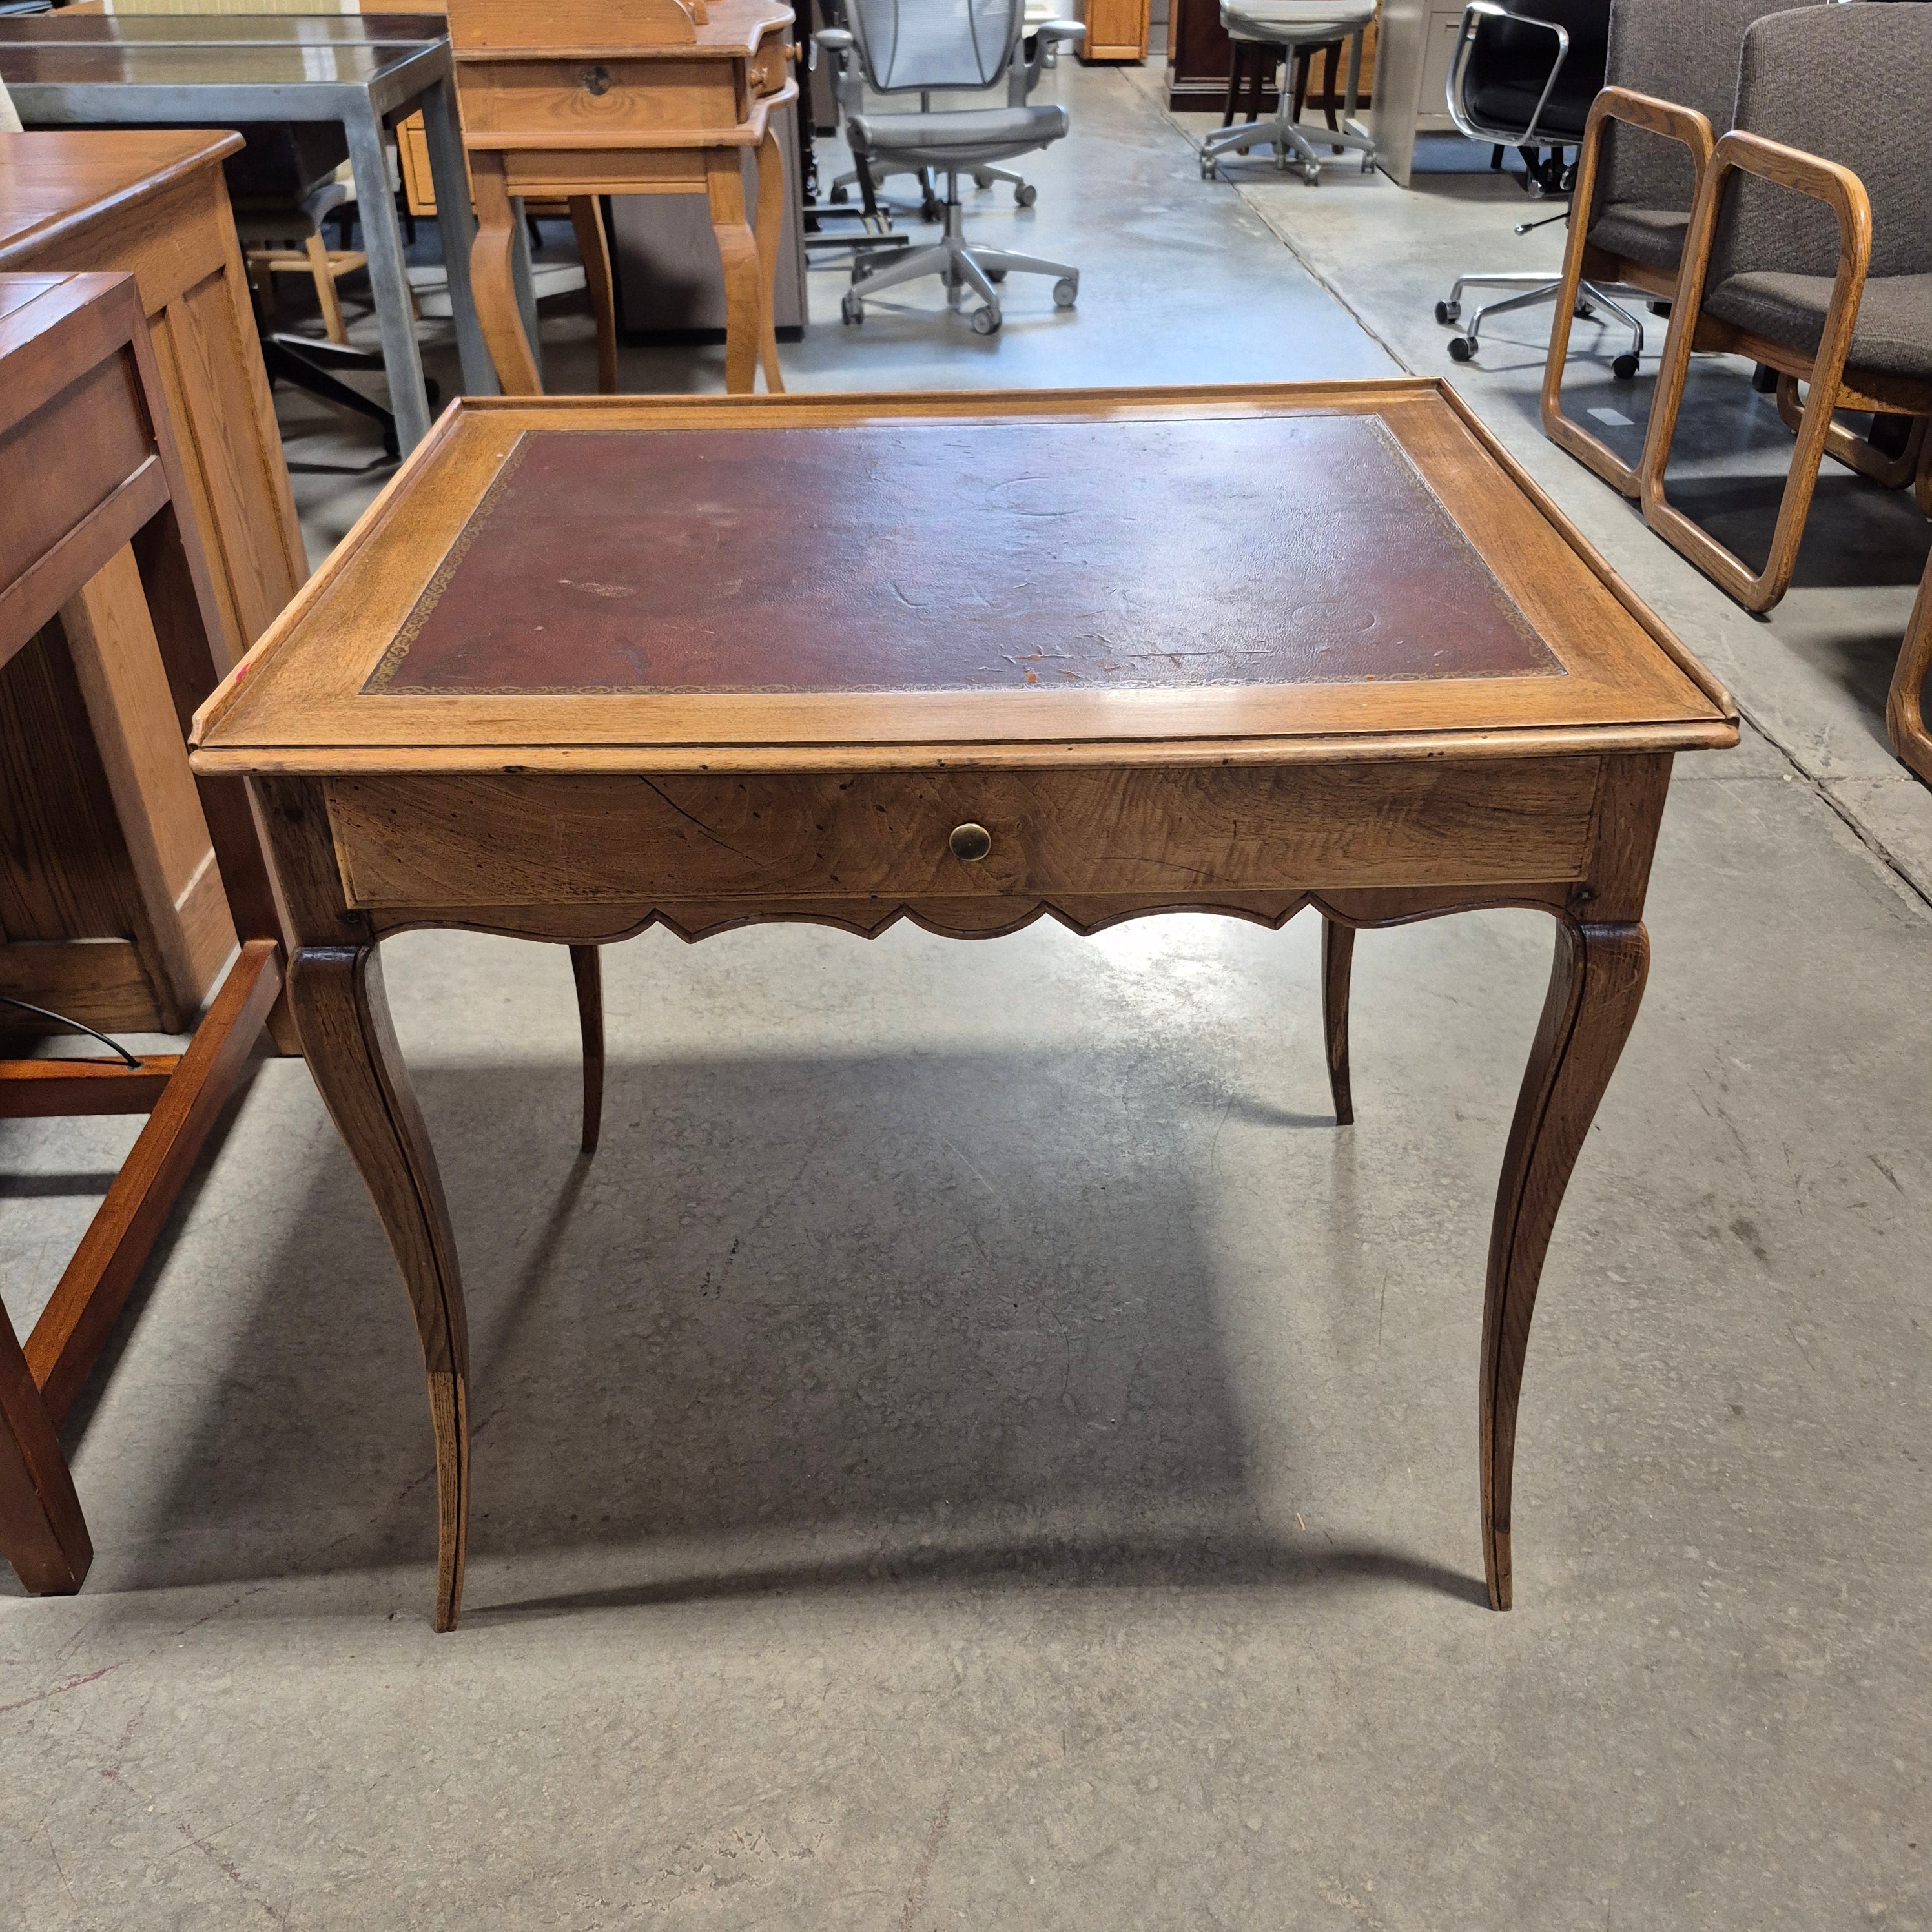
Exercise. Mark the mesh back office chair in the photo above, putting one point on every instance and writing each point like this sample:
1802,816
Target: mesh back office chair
1287,25
1671,80
923,46
1524,74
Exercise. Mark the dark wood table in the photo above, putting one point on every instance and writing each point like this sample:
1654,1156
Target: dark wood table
89,69
89,473
1088,654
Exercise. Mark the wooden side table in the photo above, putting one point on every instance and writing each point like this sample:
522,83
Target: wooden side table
153,203
89,467
1441,699
647,96
108,868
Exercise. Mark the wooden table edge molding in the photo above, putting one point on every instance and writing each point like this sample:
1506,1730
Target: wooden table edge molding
441,821
940,405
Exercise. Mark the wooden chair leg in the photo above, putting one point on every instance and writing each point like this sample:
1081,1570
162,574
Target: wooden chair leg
1236,63
43,1533
337,995
323,270
1596,984
586,217
1905,704
1338,954
587,970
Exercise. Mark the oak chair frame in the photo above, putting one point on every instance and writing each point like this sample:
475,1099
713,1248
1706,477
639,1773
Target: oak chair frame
1905,703
1583,263
1829,391
58,348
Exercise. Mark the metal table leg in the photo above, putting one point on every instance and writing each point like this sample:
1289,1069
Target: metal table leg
456,221
383,243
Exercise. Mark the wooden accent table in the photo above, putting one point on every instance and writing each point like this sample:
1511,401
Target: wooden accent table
88,467
1028,698
583,98
109,895
152,202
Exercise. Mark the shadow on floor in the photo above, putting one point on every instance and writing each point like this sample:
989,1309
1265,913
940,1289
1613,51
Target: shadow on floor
783,1319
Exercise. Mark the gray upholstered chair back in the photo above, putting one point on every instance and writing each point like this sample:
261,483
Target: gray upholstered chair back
1684,51
905,45
1847,84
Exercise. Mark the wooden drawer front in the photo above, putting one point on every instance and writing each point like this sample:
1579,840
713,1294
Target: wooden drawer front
67,458
771,65
600,97
533,172
499,841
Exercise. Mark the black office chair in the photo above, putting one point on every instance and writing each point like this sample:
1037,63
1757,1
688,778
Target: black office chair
1523,75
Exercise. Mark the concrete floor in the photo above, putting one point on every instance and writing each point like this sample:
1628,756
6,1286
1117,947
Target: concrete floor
977,1446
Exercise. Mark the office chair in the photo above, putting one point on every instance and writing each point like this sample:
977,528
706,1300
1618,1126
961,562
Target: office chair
923,46
1671,83
1289,25
1526,79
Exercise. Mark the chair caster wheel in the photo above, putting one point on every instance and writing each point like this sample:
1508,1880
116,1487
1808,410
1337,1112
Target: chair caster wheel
996,274
1624,368
852,310
1448,311
1368,164
985,319
1311,173
980,180
1066,292
1586,312
1461,348
1025,195
839,197
1206,169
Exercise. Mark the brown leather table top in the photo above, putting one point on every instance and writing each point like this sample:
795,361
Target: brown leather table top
966,556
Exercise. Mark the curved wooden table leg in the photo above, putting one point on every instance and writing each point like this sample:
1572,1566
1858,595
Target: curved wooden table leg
738,254
1905,703
770,228
336,993
586,217
1338,954
589,974
1595,986
492,281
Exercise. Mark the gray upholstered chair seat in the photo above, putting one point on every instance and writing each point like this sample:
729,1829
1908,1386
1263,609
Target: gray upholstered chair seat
1893,336
1283,21
1652,235
958,140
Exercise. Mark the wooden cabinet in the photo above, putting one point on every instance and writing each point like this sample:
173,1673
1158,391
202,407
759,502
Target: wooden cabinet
1117,30
111,904
1412,89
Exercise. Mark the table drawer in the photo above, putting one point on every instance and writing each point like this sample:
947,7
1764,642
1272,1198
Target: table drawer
771,65
530,838
584,96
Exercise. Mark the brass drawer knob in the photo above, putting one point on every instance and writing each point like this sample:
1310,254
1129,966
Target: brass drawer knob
970,842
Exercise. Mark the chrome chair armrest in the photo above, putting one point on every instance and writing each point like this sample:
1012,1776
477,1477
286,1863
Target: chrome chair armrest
1471,25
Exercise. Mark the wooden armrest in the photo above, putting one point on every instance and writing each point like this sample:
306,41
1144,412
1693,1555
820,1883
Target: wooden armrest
1840,189
1666,117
